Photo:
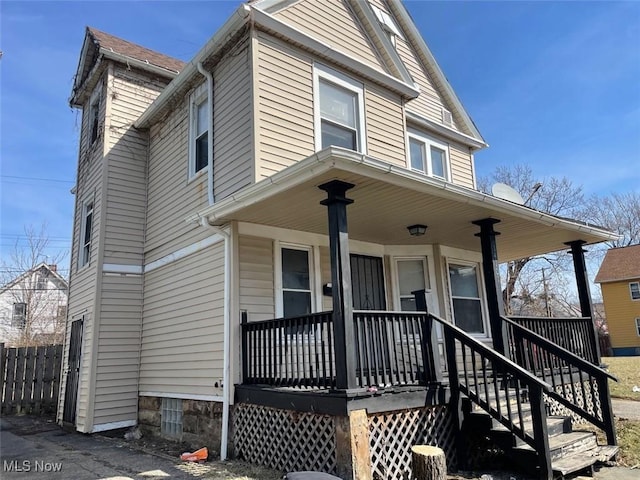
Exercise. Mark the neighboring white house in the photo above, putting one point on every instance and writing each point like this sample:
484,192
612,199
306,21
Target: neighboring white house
33,307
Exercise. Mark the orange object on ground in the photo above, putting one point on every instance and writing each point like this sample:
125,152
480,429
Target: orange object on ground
198,456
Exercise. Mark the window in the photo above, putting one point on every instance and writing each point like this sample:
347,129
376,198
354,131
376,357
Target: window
387,23
638,326
19,317
199,131
634,288
85,235
339,113
296,282
429,156
411,277
94,115
465,297
171,417
41,281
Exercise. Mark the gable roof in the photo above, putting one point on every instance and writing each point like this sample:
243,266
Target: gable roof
52,275
620,264
98,44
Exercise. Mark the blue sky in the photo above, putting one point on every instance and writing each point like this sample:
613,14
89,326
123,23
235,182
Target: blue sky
552,84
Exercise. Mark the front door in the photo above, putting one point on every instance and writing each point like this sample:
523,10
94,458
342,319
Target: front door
73,373
367,283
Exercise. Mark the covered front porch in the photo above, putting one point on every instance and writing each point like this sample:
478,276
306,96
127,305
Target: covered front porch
335,347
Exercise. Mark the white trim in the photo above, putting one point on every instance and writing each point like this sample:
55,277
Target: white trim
183,396
277,267
183,252
81,260
198,97
428,142
322,72
113,425
119,268
631,291
482,293
445,131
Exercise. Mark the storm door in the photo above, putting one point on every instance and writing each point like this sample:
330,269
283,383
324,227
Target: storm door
367,283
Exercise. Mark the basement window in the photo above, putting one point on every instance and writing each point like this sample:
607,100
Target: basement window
171,415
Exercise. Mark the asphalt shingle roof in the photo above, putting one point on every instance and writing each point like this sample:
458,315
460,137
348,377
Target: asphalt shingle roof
129,49
620,264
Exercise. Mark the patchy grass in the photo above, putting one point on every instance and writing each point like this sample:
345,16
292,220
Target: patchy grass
629,441
627,370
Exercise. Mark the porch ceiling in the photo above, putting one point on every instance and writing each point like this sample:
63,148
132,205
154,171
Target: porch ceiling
387,199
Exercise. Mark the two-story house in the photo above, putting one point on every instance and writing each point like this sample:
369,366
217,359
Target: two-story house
250,231
619,278
33,307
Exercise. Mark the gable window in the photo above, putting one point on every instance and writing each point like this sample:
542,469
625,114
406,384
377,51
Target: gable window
41,281
296,282
634,288
94,115
85,234
19,316
199,131
465,297
429,156
339,110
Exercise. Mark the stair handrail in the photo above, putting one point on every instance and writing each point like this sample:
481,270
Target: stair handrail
536,388
573,361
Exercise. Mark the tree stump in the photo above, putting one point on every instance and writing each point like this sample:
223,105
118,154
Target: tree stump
428,463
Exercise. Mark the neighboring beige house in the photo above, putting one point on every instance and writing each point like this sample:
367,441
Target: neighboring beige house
33,308
619,278
198,204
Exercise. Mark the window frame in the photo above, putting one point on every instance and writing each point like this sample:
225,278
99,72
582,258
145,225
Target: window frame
631,291
638,326
322,73
196,99
19,317
84,246
95,102
425,271
481,294
279,288
427,142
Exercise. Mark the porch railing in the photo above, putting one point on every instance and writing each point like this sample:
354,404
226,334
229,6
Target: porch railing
499,386
391,349
576,383
576,335
289,352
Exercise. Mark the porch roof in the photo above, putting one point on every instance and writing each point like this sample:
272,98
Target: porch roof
388,198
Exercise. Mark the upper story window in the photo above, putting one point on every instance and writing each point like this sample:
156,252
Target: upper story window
387,23
19,316
84,256
634,288
429,156
41,281
198,131
94,115
339,110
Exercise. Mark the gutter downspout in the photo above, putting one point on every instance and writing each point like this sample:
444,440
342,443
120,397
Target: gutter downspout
226,389
209,78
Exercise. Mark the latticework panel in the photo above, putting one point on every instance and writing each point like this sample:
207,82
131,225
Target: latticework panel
284,440
583,394
392,434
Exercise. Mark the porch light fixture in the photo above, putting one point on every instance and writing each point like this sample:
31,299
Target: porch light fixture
417,230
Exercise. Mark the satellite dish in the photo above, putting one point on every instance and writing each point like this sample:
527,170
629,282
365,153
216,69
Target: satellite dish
505,192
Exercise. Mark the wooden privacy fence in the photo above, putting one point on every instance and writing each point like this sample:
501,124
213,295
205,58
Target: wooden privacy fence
30,379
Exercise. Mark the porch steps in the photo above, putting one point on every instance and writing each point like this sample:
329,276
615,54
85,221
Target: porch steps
570,451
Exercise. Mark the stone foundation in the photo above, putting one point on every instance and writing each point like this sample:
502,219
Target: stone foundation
201,422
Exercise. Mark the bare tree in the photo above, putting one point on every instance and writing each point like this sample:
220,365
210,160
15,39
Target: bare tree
33,296
557,196
619,213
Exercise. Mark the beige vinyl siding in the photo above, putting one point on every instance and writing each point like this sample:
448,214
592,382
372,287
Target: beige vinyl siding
285,106
172,196
461,165
332,22
182,329
82,286
127,158
385,125
116,387
429,103
256,277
